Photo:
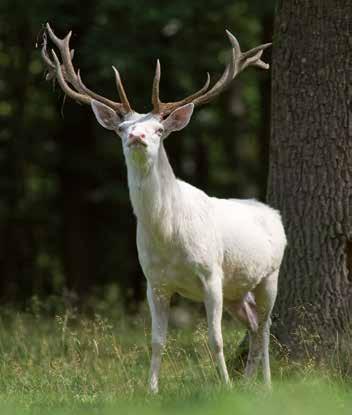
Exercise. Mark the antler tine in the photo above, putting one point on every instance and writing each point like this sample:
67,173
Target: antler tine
45,56
155,90
64,86
251,57
221,84
165,108
121,90
51,66
64,47
238,62
97,97
65,73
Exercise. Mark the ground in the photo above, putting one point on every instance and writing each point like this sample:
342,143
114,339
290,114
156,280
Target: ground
67,363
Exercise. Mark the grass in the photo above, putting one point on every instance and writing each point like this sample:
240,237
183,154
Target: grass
72,364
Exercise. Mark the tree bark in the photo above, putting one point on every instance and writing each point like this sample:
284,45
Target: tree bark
265,91
310,174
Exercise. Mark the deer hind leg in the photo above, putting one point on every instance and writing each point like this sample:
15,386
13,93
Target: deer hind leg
259,339
243,311
213,299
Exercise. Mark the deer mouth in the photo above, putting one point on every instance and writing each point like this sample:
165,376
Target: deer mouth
136,142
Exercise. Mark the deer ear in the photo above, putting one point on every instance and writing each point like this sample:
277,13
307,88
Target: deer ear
105,116
179,118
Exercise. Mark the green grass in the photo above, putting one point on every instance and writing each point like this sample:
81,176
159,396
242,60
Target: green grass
71,364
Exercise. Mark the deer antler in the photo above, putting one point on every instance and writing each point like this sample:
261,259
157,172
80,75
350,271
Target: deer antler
166,108
238,62
70,81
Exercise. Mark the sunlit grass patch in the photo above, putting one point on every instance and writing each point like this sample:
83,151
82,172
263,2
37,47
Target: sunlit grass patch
72,363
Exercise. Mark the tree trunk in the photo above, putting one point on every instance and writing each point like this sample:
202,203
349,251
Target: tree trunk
265,89
310,174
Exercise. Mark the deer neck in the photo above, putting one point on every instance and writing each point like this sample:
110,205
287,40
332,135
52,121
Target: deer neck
153,191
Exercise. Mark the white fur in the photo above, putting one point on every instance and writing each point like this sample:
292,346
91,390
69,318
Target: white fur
225,253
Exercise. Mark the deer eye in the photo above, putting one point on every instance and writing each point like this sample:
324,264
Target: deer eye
160,131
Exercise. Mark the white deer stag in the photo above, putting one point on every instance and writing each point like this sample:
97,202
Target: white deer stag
223,252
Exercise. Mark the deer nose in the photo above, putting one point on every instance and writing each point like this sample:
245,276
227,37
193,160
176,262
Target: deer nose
136,135
136,138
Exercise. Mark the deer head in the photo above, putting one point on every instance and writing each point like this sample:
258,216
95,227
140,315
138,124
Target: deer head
141,134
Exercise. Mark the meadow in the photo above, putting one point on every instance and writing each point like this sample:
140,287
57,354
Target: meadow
97,363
